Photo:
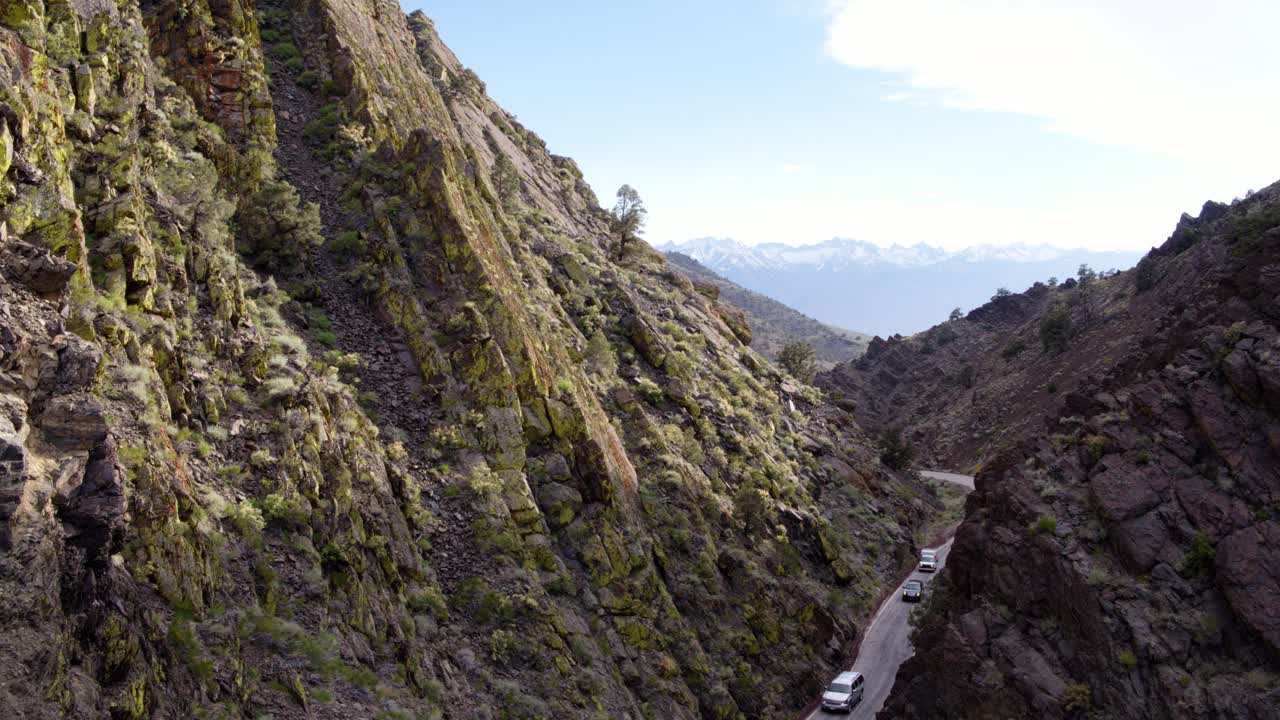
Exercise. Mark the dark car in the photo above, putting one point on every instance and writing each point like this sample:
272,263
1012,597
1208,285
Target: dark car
913,591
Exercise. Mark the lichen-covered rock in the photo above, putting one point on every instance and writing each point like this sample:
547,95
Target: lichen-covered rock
736,319
399,471
6,148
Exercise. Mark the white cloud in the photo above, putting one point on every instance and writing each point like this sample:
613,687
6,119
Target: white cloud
1182,78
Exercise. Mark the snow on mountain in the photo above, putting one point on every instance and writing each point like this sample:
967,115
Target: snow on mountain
886,290
843,253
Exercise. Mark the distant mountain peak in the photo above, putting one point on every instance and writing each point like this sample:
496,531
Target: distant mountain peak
885,290
839,253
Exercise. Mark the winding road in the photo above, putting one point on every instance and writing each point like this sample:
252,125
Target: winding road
887,643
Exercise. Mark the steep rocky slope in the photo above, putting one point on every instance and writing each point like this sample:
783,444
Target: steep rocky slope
772,325
1119,560
322,395
963,389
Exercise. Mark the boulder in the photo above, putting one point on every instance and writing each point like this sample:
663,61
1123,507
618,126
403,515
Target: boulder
1139,541
86,97
77,364
1029,670
707,289
36,268
74,422
1119,494
13,467
92,511
649,343
1211,511
560,503
1250,578
737,321
1240,374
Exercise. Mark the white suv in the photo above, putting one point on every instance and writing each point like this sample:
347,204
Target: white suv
843,693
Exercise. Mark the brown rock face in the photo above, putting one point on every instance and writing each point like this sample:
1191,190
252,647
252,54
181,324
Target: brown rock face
1247,571
1119,554
35,267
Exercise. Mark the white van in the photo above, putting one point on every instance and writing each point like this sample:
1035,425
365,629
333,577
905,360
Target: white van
928,560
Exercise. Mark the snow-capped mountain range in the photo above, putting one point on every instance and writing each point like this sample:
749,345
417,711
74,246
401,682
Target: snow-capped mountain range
840,253
886,290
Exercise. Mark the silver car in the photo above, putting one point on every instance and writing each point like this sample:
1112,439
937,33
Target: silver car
843,693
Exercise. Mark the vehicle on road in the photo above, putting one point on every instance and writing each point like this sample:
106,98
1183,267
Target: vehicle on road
913,591
928,560
844,692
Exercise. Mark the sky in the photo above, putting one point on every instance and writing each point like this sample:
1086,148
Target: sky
949,122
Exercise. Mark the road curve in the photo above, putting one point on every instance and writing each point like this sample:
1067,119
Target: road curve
962,480
886,643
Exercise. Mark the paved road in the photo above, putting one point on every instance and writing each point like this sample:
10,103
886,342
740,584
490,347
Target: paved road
964,480
887,642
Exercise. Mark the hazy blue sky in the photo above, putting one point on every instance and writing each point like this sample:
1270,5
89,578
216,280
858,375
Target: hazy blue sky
799,120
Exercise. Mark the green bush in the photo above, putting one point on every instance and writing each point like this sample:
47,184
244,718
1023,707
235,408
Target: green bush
429,600
349,243
318,319
1247,228
1055,328
309,79
276,228
1094,447
506,182
1046,524
1199,558
1014,348
286,50
502,645
799,359
322,130
1145,274
679,365
752,507
283,511
896,451
1128,659
1077,697
600,354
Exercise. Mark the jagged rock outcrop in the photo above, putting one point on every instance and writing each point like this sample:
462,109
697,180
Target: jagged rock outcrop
1117,562
323,395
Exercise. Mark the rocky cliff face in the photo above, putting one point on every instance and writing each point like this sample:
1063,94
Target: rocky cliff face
1120,560
322,395
964,389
